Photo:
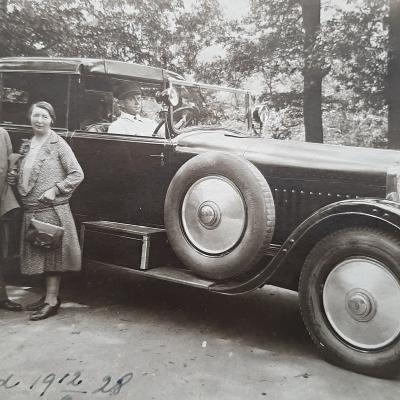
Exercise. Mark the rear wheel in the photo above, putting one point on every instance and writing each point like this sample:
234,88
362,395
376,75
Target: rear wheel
350,297
219,215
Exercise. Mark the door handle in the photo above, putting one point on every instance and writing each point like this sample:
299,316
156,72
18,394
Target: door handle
160,156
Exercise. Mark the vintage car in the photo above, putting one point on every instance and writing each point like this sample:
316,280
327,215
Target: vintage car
202,199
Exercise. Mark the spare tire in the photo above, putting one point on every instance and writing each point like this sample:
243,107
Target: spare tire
219,215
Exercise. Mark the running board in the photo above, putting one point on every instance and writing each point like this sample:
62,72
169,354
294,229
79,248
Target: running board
170,274
141,250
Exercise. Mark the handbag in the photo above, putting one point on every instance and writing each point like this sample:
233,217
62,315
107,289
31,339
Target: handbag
44,235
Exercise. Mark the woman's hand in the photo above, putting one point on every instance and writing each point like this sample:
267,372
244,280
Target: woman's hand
12,178
49,195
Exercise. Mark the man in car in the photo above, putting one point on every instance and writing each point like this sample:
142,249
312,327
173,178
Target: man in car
130,122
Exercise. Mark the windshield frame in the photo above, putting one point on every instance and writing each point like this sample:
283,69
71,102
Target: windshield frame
245,92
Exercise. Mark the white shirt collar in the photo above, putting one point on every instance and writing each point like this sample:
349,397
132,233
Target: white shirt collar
131,117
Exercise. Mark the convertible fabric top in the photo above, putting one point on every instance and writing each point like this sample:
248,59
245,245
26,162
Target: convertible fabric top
86,66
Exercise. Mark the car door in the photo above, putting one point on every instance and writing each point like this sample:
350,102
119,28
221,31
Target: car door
126,176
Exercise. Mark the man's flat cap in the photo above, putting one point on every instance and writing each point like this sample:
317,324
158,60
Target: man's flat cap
124,90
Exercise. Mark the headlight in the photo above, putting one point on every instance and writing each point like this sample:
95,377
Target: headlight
168,96
393,183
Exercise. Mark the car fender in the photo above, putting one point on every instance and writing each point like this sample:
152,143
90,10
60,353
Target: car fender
284,268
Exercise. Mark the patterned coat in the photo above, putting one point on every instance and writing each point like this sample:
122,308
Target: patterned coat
55,165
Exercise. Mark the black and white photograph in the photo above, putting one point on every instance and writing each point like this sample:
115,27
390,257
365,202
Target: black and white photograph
199,199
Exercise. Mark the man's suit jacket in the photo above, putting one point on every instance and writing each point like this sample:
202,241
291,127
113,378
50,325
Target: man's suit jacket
7,198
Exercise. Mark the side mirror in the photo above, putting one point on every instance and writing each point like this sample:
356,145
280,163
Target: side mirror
168,96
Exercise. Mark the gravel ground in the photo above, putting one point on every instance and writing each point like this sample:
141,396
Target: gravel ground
131,338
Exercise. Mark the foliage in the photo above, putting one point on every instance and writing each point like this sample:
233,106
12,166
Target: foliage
267,41
264,46
351,51
365,128
154,32
38,28
356,43
195,30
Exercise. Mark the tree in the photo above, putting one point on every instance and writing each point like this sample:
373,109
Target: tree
266,41
312,72
3,6
393,80
195,29
356,43
281,45
39,28
3,12
264,47
126,30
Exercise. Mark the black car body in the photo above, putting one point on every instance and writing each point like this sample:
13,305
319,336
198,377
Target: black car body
240,211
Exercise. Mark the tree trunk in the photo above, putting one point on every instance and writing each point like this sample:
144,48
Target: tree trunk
3,11
312,73
393,79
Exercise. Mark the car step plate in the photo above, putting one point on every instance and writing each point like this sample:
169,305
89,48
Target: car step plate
171,274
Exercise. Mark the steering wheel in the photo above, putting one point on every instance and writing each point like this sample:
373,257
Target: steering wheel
191,116
185,115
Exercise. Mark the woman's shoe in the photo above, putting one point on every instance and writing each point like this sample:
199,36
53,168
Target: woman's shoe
10,305
36,305
45,311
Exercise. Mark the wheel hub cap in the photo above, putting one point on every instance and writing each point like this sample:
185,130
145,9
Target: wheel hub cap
213,215
361,297
209,215
360,305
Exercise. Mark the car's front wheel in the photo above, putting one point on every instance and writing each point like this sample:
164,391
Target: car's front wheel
350,297
219,215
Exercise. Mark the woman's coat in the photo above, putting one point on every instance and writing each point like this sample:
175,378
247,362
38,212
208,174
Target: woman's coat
55,165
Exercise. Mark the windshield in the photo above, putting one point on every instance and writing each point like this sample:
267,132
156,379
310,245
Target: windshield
211,107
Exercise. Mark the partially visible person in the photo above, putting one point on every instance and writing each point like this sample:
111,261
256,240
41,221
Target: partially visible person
130,122
95,113
48,175
8,203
